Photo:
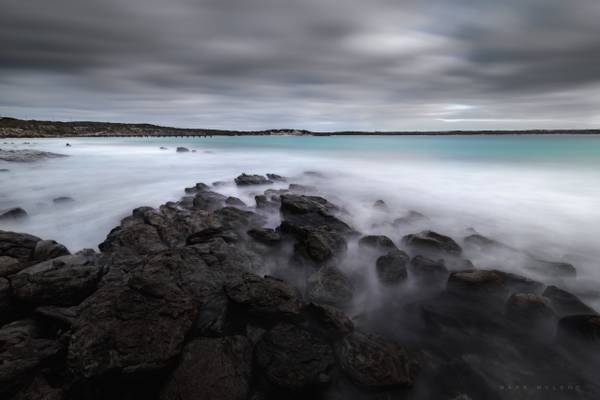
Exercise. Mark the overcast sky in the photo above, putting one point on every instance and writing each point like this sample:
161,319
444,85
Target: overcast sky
310,64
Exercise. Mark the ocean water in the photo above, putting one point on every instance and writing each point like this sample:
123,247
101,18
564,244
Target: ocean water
537,193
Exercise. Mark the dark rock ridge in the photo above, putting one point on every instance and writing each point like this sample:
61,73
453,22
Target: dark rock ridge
12,214
27,155
200,299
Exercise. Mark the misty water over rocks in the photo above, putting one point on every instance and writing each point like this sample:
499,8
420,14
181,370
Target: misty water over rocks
476,282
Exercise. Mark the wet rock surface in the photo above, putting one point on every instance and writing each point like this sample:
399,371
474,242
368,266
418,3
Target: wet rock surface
27,155
208,298
247,180
12,214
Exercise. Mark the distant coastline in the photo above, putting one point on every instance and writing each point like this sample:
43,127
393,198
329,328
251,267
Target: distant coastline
17,128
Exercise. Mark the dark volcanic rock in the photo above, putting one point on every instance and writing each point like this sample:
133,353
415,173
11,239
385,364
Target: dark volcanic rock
424,267
330,286
528,308
63,281
293,204
267,297
211,233
247,180
212,368
292,358
182,150
565,303
6,307
17,245
12,214
391,268
328,320
9,266
135,327
208,200
27,155
432,242
265,236
264,203
301,189
63,200
377,242
374,363
234,201
24,349
321,246
584,328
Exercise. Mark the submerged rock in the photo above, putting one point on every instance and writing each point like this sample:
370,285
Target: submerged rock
479,282
410,218
234,201
329,321
377,242
15,213
265,236
27,155
391,268
432,242
528,308
247,180
583,328
63,200
275,177
182,150
424,267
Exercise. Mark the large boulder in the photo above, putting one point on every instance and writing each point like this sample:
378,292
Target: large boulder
321,246
130,327
63,281
247,180
291,358
212,369
423,267
9,266
266,236
391,268
410,217
329,321
432,242
330,286
374,363
48,249
565,303
24,350
267,297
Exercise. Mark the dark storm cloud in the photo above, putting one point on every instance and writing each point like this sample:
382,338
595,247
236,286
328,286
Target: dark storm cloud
324,64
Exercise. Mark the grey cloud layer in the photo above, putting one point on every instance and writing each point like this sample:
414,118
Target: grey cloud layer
325,64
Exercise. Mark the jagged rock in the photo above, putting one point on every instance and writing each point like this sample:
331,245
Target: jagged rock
289,357
237,219
321,246
584,328
520,284
220,183
430,241
293,204
247,180
208,200
234,201
63,200
391,268
13,214
106,335
410,218
275,177
479,241
48,249
374,363
565,303
24,349
479,282
329,321
528,308
63,281
182,150
267,297
265,236
377,242
210,233
424,267
330,286
264,203
212,368
198,187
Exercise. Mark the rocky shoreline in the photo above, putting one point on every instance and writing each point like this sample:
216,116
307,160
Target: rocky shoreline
201,299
